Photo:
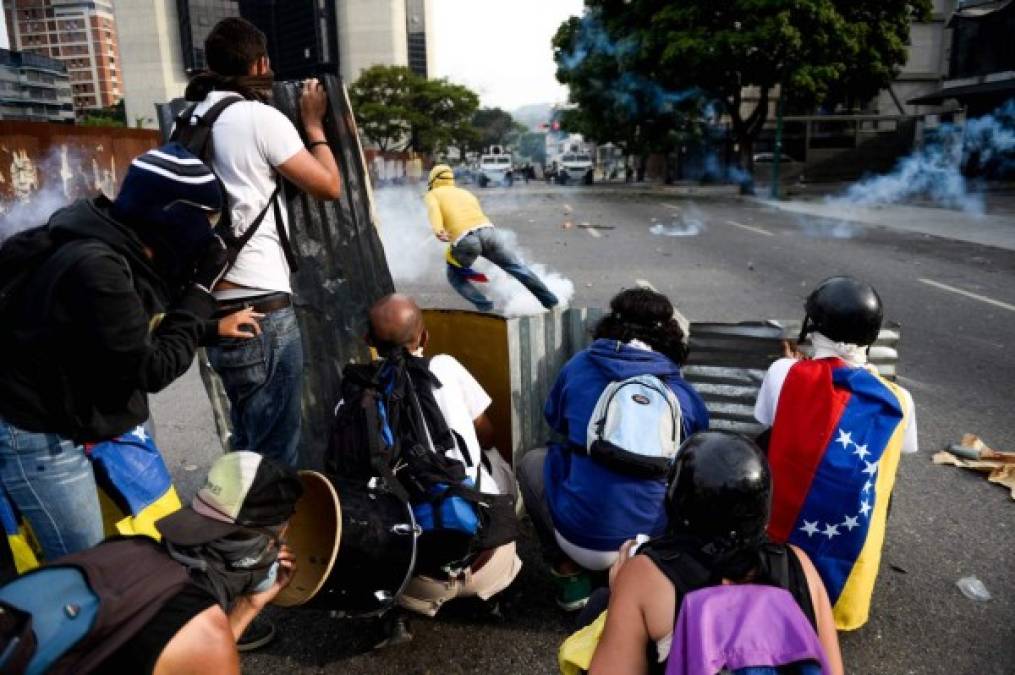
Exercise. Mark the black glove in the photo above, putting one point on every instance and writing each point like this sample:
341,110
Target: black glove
212,264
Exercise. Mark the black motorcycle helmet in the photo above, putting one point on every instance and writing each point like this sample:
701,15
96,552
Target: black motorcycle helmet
843,309
720,492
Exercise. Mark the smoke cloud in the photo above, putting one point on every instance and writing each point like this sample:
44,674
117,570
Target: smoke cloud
413,253
509,297
984,145
688,223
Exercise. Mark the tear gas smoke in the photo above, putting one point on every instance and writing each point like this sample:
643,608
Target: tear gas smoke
413,253
985,145
688,223
509,297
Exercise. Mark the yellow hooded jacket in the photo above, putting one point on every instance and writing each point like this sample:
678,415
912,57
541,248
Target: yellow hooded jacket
452,209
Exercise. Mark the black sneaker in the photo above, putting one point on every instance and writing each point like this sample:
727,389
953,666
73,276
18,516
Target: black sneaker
259,633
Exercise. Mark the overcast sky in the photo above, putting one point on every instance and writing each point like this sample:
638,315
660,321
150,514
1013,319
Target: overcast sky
501,48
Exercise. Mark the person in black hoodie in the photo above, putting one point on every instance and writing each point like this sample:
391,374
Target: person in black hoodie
115,312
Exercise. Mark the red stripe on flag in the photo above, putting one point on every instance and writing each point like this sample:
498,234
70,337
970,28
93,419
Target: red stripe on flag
806,417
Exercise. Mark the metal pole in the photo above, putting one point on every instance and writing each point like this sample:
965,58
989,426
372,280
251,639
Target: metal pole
777,155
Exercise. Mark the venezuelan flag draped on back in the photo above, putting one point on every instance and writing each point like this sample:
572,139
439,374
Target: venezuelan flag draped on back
834,450
130,471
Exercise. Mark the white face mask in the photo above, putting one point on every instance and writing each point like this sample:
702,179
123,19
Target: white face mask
854,355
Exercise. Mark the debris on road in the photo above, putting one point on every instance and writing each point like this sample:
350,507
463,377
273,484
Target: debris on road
590,226
973,453
567,209
567,225
973,588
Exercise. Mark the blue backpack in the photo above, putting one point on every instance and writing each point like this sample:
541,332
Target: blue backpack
635,427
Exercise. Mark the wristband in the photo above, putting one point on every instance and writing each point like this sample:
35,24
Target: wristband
313,145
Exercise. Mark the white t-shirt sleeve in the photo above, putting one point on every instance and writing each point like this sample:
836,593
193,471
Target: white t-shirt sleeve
771,387
475,397
277,137
909,440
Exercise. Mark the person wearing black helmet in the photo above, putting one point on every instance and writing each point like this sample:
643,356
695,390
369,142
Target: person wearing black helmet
113,306
836,432
702,594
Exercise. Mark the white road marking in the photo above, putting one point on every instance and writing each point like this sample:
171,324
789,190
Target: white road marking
644,283
671,206
750,228
968,294
593,232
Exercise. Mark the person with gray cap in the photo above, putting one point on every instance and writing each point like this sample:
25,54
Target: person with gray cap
101,306
174,607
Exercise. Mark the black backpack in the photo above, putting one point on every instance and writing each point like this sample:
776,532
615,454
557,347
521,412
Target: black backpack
389,429
197,138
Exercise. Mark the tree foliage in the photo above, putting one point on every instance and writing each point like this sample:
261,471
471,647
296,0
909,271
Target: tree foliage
397,109
494,127
632,65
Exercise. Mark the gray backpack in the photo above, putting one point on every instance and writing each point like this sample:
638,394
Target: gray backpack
635,427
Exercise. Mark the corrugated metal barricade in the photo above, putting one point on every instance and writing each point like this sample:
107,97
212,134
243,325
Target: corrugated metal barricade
517,361
728,362
342,269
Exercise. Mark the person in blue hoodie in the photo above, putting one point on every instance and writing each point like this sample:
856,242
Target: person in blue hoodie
583,511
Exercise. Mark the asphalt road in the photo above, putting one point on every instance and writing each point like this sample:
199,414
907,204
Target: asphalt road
956,304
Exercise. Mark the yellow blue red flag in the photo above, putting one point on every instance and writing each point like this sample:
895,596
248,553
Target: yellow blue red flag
130,470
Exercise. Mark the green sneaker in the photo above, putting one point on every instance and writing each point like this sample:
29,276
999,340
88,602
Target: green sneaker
573,590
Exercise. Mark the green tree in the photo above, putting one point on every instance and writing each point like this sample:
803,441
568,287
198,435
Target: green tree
624,53
494,127
397,109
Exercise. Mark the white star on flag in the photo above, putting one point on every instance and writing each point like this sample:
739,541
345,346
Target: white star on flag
867,486
862,451
845,438
139,433
865,507
871,468
831,530
851,522
810,527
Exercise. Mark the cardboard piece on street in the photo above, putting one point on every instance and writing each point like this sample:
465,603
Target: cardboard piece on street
998,466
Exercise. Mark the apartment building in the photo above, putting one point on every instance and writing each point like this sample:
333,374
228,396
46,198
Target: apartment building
80,34
34,88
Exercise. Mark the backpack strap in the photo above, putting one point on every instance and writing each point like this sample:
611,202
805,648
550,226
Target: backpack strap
786,571
196,135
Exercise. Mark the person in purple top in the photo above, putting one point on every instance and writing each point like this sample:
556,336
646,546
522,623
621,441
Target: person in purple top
582,509
713,594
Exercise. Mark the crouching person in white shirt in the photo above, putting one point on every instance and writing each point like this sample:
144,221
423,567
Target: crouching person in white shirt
396,320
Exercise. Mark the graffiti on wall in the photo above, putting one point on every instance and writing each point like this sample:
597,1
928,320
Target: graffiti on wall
46,166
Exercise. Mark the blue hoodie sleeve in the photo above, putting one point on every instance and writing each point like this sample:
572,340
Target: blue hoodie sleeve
692,407
553,411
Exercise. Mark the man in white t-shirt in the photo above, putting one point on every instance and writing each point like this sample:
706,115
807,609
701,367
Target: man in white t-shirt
253,145
396,320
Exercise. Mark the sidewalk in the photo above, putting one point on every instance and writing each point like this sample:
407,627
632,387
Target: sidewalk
997,229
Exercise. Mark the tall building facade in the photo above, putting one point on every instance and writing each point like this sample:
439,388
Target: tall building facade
163,40
384,32
152,57
81,34
34,88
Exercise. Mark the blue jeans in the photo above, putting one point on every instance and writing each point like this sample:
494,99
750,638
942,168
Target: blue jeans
263,377
487,242
50,481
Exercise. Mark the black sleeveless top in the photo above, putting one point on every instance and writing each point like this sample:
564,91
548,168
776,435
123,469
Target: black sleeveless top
778,566
140,653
